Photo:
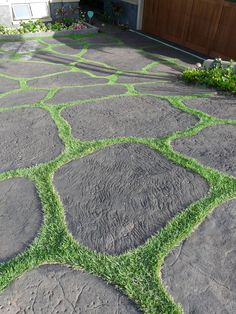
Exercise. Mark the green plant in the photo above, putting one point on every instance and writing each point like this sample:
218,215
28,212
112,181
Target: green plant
32,27
216,76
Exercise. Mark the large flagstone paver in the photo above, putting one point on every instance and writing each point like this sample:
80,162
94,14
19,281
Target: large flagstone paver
66,79
123,58
171,89
59,289
214,147
223,107
21,46
126,116
49,56
72,49
77,94
29,69
115,199
200,274
129,77
22,98
28,137
7,85
20,216
101,40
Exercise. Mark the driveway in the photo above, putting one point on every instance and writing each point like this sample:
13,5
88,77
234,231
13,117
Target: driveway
108,163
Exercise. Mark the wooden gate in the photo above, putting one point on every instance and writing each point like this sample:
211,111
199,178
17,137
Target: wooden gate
207,26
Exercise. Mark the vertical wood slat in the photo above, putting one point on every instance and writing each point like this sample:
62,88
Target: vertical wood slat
207,26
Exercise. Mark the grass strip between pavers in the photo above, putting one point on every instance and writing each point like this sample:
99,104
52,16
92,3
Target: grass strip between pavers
137,272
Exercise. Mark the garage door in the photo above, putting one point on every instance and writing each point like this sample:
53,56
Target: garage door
207,26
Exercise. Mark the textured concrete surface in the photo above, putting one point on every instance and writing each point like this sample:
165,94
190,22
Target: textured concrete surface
23,98
200,273
214,147
72,49
59,289
77,94
126,116
20,46
66,79
6,85
28,137
52,57
171,89
124,58
129,77
20,216
29,69
223,107
115,199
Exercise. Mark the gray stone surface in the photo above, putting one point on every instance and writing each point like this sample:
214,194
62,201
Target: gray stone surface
126,116
46,56
76,94
20,46
59,40
129,77
101,40
22,98
214,146
115,199
66,79
165,52
200,274
55,289
223,107
28,137
95,68
166,68
123,58
20,216
6,85
29,69
171,89
69,49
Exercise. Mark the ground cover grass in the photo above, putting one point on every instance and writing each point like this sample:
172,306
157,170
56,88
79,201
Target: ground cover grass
137,272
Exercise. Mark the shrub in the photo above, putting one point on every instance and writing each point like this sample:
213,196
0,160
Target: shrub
40,26
216,76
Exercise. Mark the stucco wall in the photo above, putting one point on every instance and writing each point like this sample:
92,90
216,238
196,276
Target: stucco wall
129,14
5,15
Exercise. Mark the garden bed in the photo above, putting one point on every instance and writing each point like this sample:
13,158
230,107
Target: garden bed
88,30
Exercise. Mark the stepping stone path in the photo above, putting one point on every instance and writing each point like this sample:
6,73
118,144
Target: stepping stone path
109,192
28,137
117,198
200,273
214,147
59,289
126,116
20,216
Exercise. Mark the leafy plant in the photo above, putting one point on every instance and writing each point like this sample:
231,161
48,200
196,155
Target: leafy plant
39,26
216,76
